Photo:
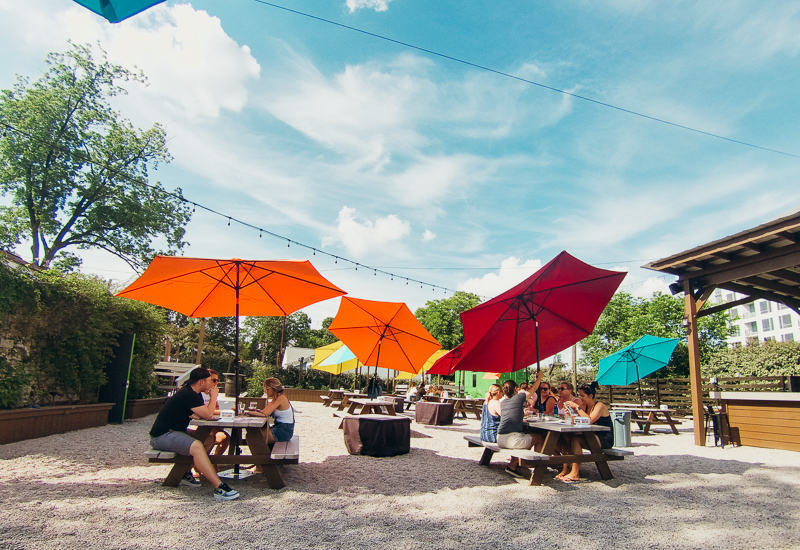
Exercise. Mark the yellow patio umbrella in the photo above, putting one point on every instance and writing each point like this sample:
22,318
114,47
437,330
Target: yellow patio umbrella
491,376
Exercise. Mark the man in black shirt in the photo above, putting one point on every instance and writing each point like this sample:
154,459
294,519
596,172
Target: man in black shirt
169,430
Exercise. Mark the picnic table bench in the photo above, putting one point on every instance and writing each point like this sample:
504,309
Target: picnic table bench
283,452
539,461
334,397
644,417
465,405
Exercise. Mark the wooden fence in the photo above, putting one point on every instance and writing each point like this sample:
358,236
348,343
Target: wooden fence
677,393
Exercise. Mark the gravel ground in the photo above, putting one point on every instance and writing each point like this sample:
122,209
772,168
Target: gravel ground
62,492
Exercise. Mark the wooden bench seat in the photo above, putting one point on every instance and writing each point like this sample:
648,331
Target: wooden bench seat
615,451
283,452
488,448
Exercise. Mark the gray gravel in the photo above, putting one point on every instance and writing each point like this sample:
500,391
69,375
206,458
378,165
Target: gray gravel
94,489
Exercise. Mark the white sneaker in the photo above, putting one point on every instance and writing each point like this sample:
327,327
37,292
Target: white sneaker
223,492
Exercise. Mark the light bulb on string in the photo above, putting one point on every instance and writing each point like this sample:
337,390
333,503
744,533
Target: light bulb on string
229,222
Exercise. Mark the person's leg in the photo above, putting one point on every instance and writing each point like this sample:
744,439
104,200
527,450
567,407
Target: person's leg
222,440
203,464
575,472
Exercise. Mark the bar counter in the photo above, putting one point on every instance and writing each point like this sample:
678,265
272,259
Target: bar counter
763,419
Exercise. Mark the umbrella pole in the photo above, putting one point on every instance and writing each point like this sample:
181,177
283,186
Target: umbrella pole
639,381
536,329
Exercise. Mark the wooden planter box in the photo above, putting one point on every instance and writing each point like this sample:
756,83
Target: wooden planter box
137,408
308,396
21,424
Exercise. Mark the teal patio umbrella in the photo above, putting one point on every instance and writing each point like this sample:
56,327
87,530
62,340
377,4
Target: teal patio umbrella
644,356
118,10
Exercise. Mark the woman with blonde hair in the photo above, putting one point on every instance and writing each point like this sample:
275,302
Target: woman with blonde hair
279,407
490,417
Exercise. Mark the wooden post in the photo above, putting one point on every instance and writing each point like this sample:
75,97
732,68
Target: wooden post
658,395
690,312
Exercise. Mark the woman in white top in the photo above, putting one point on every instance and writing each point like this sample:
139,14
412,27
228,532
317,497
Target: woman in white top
279,407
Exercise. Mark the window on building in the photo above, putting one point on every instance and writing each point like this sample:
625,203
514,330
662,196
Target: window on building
751,329
729,297
785,321
767,325
748,310
768,338
783,306
765,307
735,331
787,337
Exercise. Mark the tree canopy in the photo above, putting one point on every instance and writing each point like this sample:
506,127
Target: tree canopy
76,172
441,317
627,318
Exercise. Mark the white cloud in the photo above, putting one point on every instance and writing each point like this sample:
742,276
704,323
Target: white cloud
648,287
377,5
363,236
194,68
365,112
428,235
511,273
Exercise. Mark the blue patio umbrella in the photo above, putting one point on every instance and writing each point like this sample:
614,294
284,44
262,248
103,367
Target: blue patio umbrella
628,365
341,355
117,10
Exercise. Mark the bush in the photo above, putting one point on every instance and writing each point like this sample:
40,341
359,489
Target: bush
70,324
757,359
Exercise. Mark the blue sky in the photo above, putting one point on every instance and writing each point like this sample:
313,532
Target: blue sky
439,171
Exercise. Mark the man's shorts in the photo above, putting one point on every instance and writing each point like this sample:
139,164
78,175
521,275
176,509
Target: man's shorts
514,440
177,442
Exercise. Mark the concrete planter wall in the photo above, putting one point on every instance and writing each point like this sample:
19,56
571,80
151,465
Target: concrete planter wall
137,408
21,424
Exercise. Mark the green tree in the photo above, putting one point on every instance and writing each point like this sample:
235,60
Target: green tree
441,317
263,335
76,173
627,318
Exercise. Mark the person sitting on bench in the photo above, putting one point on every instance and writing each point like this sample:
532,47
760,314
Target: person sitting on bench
169,430
598,414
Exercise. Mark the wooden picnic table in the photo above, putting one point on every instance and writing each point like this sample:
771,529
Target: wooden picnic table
465,405
647,416
548,456
347,396
333,397
260,453
374,406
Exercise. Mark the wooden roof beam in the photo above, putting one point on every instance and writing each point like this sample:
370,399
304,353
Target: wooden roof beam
766,262
793,303
772,285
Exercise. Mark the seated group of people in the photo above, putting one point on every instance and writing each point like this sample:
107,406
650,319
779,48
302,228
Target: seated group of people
198,399
502,421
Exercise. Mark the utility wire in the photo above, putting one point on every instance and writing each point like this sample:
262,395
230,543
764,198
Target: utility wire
534,83
85,157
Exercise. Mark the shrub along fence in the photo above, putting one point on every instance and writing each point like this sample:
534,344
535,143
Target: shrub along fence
677,393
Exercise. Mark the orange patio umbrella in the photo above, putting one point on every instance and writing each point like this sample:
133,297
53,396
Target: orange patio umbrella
203,287
384,333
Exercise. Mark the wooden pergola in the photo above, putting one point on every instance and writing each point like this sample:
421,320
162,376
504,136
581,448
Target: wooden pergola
762,262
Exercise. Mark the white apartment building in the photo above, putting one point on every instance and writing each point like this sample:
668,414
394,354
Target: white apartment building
760,320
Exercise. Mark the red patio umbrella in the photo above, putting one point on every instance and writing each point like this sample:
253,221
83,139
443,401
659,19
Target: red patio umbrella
446,364
549,311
